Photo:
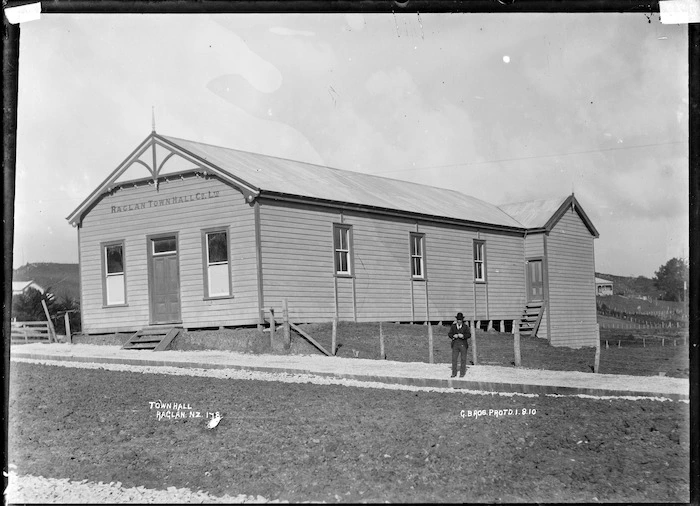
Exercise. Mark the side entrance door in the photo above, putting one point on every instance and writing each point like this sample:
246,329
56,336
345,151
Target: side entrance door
535,281
164,279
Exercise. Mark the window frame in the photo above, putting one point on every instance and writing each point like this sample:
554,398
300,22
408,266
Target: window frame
105,274
206,264
348,251
479,246
413,236
155,253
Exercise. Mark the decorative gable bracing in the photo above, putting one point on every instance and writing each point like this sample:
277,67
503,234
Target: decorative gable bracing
155,158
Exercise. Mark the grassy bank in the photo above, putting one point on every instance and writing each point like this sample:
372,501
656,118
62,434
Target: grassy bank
409,343
629,351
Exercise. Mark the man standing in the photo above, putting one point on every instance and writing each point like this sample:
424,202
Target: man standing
459,333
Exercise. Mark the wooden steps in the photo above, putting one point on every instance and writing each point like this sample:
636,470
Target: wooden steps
531,318
154,338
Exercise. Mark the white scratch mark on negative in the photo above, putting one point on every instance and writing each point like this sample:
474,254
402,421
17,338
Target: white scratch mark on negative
679,12
23,13
396,23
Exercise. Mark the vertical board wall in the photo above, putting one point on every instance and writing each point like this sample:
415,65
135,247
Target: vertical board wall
297,261
505,278
111,220
297,258
571,273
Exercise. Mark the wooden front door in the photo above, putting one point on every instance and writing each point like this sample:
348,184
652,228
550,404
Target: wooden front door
535,281
164,280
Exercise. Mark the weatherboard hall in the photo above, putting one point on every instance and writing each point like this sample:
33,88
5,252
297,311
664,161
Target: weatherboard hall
188,235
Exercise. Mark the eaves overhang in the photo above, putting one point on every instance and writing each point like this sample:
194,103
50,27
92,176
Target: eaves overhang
278,196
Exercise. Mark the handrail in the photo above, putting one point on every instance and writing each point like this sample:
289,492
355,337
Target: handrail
310,339
539,318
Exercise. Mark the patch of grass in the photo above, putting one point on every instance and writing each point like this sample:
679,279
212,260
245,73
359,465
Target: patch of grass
409,343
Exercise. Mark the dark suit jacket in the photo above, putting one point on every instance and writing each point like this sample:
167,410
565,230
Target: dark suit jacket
452,334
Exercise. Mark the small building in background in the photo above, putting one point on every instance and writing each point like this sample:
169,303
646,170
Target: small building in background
603,286
20,287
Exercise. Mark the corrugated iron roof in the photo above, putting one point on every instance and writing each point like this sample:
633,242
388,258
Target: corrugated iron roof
534,213
281,176
255,174
602,281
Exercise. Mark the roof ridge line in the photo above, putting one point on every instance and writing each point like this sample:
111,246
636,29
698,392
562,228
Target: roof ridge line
327,167
552,199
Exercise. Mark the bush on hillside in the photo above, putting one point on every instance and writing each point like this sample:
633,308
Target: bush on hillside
27,307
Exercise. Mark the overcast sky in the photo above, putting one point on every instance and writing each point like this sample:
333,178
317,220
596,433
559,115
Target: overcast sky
506,108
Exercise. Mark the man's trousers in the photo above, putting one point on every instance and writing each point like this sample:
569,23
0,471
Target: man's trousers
459,347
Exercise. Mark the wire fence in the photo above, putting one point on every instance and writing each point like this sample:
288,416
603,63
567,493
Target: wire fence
636,325
663,316
643,342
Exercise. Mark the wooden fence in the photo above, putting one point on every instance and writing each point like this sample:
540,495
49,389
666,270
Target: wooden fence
31,331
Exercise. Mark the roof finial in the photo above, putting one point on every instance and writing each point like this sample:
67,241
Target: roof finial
153,118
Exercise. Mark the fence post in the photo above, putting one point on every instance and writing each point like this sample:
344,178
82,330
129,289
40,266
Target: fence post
334,333
473,333
516,345
430,343
596,364
382,355
66,321
285,327
272,327
52,330
261,320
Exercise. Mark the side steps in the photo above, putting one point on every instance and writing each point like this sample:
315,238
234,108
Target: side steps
531,318
154,339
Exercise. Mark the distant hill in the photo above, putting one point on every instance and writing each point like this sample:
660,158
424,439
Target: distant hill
632,287
63,280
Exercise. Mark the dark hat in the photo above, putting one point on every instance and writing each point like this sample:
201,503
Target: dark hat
459,317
